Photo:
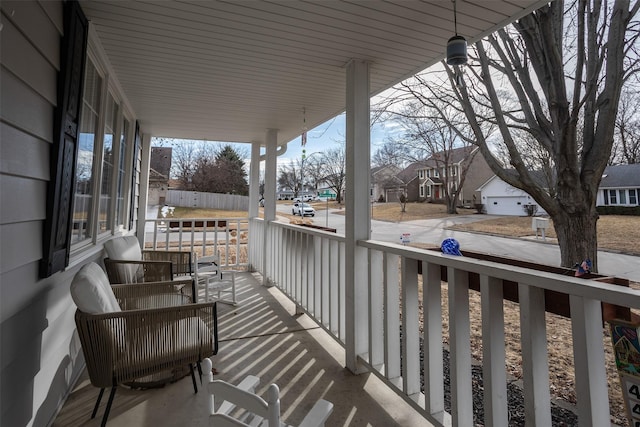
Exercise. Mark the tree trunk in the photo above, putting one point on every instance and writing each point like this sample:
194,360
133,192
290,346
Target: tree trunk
451,205
577,237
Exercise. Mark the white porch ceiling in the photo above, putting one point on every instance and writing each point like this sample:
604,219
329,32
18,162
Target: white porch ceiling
228,70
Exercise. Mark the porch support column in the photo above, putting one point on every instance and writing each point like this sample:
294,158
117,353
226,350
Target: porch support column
145,164
254,196
270,178
357,214
254,180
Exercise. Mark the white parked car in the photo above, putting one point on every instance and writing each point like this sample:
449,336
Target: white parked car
303,209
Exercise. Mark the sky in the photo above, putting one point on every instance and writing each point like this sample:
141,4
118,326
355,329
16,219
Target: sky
323,137
329,135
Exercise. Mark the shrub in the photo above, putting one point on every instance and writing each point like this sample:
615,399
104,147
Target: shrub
531,209
619,210
479,207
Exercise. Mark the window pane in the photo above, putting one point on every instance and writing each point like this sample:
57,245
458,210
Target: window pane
124,152
83,200
623,196
633,197
612,197
105,221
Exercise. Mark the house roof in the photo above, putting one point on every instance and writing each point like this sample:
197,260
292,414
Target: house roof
410,173
230,70
621,176
456,156
538,177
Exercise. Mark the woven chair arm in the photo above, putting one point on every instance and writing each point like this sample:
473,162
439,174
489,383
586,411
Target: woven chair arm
154,294
125,271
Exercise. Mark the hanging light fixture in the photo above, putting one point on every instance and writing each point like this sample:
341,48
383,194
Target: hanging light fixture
457,45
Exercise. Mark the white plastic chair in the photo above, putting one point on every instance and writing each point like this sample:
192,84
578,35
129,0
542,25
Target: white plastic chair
209,275
257,411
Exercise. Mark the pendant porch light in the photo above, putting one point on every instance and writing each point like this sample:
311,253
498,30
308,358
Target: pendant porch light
457,45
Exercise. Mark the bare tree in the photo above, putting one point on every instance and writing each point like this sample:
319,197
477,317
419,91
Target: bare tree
626,146
566,71
334,170
391,153
289,176
431,130
403,199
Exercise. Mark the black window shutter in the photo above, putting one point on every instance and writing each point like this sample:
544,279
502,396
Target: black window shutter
64,150
134,174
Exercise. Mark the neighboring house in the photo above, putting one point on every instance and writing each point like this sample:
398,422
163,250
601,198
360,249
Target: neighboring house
159,170
285,194
620,186
406,181
158,186
382,176
431,174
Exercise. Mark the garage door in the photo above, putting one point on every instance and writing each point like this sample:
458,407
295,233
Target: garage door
506,205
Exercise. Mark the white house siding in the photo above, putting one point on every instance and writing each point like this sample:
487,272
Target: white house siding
500,198
39,352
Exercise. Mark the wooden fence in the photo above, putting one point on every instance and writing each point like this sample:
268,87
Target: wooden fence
197,199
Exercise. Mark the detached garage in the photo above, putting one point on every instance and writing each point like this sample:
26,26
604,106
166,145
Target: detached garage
505,205
500,198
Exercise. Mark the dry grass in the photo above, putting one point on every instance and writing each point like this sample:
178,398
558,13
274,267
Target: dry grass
183,212
615,232
392,212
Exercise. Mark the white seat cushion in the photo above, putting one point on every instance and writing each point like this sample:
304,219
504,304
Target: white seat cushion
124,248
91,291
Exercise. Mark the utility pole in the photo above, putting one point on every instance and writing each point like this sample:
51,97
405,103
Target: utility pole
304,155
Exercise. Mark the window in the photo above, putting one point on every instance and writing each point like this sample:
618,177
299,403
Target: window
612,197
435,173
428,191
422,191
623,197
605,196
109,145
454,170
122,162
83,200
421,174
104,161
633,197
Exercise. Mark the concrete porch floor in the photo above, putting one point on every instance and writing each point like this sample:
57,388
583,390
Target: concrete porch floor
262,337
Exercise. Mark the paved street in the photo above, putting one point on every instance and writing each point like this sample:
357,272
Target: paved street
433,231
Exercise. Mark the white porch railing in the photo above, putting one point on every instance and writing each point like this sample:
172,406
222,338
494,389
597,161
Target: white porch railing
308,266
227,237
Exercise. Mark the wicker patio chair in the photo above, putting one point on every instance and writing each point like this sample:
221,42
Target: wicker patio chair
127,263
239,406
123,346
